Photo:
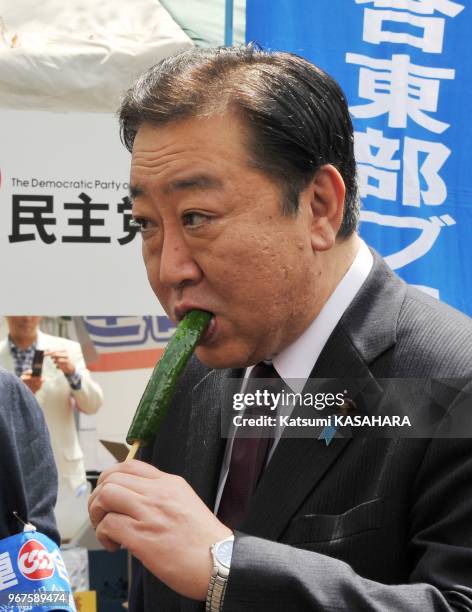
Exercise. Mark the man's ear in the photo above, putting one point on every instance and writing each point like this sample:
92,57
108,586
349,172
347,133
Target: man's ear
326,194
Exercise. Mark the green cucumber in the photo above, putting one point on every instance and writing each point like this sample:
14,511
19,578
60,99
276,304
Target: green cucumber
160,389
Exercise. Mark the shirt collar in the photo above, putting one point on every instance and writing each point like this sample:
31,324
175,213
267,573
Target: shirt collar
295,362
16,349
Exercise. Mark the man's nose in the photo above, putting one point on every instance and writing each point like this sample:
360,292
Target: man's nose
177,264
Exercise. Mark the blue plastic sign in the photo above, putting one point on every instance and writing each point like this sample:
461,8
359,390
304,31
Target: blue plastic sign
33,576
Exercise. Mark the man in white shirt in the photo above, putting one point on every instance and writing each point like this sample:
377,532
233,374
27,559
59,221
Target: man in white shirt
63,385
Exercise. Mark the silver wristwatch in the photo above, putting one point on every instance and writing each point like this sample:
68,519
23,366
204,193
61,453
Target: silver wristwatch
221,552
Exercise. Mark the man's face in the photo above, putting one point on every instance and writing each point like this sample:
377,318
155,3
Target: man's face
23,329
214,238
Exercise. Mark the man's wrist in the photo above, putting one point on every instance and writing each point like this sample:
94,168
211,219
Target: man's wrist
75,380
222,553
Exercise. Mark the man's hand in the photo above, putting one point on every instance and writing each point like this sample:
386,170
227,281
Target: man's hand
62,360
33,382
160,519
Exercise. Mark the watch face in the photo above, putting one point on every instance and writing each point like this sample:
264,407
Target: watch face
224,552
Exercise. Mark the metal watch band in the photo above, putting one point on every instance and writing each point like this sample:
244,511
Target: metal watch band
216,593
219,577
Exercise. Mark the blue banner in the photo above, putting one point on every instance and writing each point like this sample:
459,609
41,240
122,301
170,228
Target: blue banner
404,66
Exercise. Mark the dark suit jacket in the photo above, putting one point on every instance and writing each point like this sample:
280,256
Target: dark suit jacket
361,524
28,475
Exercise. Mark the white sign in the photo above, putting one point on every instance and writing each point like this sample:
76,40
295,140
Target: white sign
66,245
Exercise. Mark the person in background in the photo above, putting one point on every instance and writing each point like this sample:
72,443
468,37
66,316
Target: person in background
64,383
28,476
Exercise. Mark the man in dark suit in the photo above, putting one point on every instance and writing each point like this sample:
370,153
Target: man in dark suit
243,184
28,483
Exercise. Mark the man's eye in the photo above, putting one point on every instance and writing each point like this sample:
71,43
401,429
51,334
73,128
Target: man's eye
139,223
194,219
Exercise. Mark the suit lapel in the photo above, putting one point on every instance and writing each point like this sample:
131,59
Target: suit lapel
205,444
44,343
298,464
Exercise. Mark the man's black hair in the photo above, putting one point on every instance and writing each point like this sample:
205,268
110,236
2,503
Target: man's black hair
296,115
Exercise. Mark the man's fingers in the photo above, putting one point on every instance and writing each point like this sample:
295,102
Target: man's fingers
139,468
112,498
61,360
57,356
114,531
133,482
130,482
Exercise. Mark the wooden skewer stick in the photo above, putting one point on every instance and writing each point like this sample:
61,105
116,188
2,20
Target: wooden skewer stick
133,450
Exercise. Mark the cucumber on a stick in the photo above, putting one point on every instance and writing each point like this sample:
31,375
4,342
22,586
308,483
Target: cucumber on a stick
160,389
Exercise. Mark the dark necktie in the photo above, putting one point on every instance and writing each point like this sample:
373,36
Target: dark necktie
249,454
